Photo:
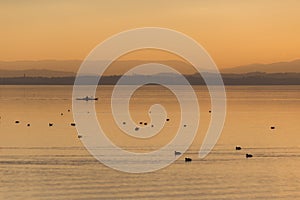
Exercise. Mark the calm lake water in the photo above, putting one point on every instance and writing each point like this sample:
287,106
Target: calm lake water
42,162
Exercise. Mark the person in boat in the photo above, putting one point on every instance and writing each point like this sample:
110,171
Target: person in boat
88,98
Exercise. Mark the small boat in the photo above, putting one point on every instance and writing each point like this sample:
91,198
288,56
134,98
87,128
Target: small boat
88,98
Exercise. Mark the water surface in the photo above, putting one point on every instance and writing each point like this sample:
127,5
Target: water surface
42,162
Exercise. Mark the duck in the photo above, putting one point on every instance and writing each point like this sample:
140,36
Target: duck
249,155
238,148
187,159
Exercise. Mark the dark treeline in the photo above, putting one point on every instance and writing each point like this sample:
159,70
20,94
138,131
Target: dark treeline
229,79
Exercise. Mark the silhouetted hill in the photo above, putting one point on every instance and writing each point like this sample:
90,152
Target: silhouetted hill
279,67
118,67
34,73
55,65
68,68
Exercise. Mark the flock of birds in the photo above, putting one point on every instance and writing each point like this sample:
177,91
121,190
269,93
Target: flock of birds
177,153
188,159
237,148
49,124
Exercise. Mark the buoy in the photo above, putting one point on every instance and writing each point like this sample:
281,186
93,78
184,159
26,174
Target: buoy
79,136
272,127
238,148
124,123
69,110
141,122
167,119
17,122
209,111
187,159
249,155
184,125
152,125
73,124
145,123
50,124
177,153
136,129
61,114
28,125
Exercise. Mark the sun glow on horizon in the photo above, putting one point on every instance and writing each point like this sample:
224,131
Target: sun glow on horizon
233,32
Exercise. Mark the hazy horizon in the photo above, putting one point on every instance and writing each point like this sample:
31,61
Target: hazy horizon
118,67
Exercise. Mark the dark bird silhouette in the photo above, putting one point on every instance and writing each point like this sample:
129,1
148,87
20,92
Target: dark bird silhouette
187,159
238,148
249,155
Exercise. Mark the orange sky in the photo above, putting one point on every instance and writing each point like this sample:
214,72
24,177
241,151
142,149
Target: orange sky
234,32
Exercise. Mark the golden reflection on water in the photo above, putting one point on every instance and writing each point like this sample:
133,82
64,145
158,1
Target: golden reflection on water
42,162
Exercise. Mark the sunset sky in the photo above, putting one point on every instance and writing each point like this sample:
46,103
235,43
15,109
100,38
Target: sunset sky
234,32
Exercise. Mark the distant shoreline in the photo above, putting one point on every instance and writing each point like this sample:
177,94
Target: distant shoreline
256,78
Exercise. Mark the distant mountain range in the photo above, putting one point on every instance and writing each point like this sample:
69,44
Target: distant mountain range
279,67
34,73
53,65
61,68
71,66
